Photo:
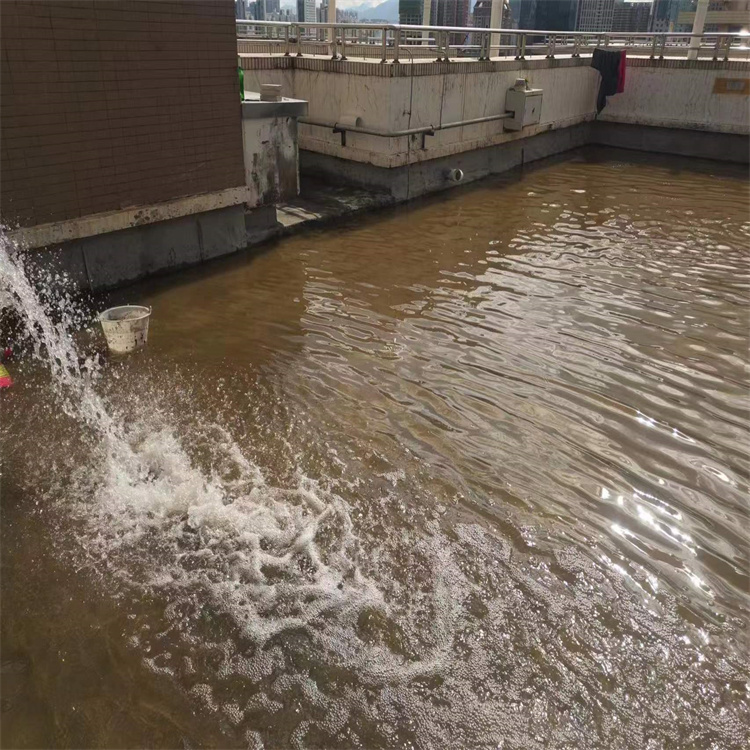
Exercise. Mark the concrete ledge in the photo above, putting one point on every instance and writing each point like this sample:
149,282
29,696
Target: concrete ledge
254,109
44,235
431,67
407,182
730,147
116,258
674,123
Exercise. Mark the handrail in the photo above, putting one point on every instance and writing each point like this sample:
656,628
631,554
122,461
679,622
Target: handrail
385,40
425,130
484,30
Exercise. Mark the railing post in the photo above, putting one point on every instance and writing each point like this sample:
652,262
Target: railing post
298,36
343,43
551,47
662,46
331,18
523,46
727,47
385,45
653,47
396,43
286,41
334,44
576,46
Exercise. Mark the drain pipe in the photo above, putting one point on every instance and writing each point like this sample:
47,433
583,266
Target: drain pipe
698,25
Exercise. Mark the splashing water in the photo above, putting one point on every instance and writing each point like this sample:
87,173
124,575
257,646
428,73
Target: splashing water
363,607
148,489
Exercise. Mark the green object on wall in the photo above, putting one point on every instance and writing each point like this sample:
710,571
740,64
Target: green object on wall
241,76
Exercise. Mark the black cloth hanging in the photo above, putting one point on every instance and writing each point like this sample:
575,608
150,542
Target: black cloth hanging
608,65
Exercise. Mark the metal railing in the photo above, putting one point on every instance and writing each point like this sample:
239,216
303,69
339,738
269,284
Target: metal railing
387,42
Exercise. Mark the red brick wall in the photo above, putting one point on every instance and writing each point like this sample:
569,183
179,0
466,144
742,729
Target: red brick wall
108,104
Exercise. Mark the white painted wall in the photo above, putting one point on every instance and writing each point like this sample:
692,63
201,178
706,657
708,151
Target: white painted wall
680,98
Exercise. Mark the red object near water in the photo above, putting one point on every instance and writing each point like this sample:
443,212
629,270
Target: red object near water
5,379
621,72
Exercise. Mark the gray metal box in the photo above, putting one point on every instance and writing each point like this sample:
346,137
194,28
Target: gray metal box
526,105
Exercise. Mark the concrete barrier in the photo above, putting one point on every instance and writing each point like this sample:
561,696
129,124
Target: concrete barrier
699,100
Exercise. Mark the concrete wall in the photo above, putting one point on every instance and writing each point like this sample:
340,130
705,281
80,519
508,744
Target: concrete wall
436,93
269,139
399,96
412,180
109,260
681,94
271,162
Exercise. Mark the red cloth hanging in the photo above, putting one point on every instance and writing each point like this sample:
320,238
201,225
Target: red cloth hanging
621,73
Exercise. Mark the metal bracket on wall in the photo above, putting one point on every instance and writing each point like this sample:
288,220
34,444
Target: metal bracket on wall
343,135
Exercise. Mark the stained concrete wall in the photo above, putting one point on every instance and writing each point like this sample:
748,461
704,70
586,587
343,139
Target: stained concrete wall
672,93
115,258
436,93
271,162
269,140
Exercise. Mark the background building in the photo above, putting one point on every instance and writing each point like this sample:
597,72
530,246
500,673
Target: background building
664,15
632,15
417,12
453,13
552,15
595,15
481,19
725,16
306,11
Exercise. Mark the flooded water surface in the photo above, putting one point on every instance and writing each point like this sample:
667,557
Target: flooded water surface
469,473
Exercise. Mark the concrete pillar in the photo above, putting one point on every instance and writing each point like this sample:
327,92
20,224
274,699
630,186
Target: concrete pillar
331,19
698,24
496,21
426,19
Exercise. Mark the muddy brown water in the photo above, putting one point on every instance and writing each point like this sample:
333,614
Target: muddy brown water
467,473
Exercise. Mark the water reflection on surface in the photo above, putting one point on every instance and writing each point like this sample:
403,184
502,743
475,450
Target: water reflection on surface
469,473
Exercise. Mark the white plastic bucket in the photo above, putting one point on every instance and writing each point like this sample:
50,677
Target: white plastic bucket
125,328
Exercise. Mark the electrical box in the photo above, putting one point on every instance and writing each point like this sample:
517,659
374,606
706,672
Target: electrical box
525,103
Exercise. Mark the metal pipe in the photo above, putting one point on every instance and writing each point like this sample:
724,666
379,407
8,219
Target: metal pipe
426,129
474,121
